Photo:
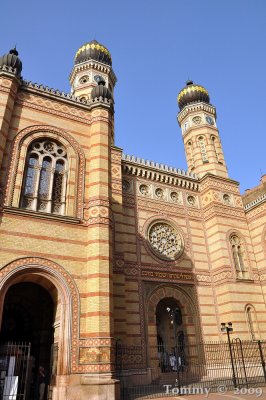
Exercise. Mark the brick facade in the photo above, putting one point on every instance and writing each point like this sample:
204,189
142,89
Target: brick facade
97,262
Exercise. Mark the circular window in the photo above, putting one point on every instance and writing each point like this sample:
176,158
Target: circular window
159,193
84,79
196,120
191,200
226,198
174,197
144,190
165,241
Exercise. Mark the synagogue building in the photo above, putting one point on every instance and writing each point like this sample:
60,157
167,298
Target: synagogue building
108,260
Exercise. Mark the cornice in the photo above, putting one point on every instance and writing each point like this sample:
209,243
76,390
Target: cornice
58,95
195,108
10,73
159,172
254,203
92,64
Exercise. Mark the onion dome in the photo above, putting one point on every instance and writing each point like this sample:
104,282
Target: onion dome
101,91
93,51
11,60
192,93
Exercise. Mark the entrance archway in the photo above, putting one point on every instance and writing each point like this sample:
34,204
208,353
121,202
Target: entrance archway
28,317
60,286
183,309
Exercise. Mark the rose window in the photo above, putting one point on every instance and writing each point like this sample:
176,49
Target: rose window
165,241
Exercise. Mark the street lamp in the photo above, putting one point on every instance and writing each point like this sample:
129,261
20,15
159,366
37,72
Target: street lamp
228,328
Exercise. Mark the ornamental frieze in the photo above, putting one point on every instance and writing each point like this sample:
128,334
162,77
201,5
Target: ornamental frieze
215,210
223,186
53,107
260,209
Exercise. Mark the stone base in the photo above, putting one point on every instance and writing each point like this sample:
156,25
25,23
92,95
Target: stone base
86,387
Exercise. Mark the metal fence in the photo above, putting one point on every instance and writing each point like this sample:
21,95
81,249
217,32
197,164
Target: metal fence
14,370
193,368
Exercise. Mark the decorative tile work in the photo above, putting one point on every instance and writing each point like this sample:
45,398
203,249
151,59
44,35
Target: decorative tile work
54,107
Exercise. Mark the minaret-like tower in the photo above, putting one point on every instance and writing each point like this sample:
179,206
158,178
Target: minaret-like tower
10,81
197,119
93,64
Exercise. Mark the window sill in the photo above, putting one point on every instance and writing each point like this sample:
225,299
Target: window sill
244,280
41,215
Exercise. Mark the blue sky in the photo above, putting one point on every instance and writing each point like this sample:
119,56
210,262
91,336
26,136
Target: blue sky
156,46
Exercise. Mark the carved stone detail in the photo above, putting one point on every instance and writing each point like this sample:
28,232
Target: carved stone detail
165,241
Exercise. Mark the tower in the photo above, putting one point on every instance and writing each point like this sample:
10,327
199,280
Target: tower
197,119
93,64
10,81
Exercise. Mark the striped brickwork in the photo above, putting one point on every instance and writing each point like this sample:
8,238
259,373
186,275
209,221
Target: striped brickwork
97,261
8,91
76,247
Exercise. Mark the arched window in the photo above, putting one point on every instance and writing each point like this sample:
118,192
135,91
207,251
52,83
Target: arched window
45,177
190,155
215,148
252,322
202,146
238,256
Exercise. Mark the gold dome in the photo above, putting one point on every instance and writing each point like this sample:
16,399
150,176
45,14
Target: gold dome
93,51
192,93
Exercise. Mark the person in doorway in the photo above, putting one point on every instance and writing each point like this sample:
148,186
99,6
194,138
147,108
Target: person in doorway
41,381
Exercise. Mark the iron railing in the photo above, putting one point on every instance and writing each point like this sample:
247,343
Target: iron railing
14,371
195,367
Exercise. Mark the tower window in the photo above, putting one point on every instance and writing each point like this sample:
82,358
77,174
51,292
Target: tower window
45,177
191,161
215,148
238,256
202,146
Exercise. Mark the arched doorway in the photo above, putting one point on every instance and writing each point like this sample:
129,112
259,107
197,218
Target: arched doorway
27,337
28,316
185,312
170,335
61,288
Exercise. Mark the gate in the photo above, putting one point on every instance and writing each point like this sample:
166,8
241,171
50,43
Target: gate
14,371
197,368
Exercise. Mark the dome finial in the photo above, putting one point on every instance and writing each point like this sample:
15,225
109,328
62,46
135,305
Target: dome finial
11,60
93,51
14,51
192,93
